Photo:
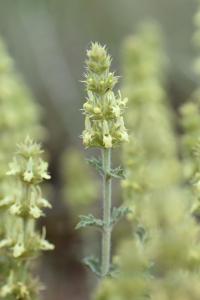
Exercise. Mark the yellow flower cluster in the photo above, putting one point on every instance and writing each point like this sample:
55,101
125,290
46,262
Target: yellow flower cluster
21,240
104,124
30,170
19,116
19,289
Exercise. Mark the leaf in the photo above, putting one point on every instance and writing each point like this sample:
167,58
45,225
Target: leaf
115,173
118,173
118,213
93,264
114,271
96,163
89,220
141,233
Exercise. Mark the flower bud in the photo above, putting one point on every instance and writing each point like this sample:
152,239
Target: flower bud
107,141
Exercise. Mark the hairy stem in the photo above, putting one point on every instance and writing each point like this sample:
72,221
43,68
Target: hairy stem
107,202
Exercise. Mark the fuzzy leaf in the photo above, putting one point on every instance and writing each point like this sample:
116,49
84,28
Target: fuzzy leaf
114,271
94,264
89,220
96,163
117,173
118,213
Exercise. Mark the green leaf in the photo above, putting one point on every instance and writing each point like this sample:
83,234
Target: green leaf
118,173
89,220
115,173
118,213
96,163
141,233
93,264
114,271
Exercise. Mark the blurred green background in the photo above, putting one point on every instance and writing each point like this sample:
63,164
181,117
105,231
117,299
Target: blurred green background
48,40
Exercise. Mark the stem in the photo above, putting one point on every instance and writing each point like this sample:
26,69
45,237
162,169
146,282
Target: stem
107,202
24,264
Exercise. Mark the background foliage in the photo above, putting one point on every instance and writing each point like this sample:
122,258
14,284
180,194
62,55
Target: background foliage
48,40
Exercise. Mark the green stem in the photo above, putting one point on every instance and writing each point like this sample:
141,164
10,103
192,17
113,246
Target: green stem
107,202
25,220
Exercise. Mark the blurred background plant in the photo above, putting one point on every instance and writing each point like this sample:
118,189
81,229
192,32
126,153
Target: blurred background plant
166,264
80,193
48,40
19,117
190,129
151,158
165,243
26,204
81,187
